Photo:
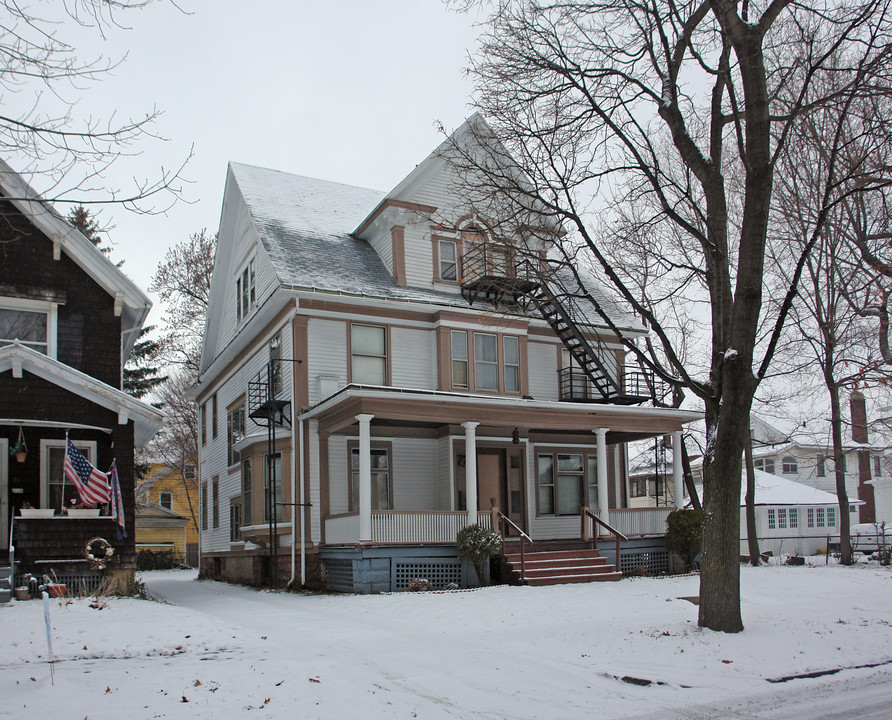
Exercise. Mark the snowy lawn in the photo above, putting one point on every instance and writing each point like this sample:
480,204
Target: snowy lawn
216,650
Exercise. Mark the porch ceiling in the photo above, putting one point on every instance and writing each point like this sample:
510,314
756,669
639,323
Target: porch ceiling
429,409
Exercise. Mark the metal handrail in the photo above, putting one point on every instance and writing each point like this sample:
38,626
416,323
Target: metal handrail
504,519
11,551
617,535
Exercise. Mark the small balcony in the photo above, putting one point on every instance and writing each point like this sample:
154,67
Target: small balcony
490,273
635,387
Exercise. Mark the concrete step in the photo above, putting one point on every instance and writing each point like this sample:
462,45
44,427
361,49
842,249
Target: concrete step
5,595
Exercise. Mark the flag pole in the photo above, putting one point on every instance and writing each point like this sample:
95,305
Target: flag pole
62,499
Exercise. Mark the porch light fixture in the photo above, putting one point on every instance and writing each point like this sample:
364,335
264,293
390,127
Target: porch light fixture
515,437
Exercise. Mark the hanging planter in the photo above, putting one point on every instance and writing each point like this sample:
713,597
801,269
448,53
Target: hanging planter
20,449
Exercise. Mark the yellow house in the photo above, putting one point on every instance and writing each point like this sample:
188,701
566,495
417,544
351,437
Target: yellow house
166,512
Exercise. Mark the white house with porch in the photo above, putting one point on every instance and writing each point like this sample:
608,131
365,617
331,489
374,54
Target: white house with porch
380,369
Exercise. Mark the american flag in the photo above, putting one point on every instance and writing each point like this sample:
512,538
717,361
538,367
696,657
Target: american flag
91,484
117,502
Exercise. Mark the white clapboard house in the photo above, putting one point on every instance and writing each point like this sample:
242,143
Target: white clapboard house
405,403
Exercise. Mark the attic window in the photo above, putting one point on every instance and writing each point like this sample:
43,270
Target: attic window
245,295
31,322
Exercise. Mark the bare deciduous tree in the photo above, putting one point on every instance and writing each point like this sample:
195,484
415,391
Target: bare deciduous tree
67,153
653,131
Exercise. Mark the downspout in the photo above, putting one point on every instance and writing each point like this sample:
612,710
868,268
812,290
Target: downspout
294,468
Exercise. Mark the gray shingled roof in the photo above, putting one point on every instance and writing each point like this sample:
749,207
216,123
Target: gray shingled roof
305,225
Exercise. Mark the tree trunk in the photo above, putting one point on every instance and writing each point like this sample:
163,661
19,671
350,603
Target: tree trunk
845,540
751,536
720,561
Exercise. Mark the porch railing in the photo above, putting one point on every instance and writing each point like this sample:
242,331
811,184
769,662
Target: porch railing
402,526
640,521
398,526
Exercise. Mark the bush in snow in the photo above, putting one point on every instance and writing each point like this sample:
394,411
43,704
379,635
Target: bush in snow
683,535
420,585
477,545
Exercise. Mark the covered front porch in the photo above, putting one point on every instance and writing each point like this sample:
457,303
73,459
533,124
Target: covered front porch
401,467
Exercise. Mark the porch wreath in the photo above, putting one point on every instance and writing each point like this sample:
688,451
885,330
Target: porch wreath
98,551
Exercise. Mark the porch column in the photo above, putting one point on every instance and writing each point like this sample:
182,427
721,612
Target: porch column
603,495
677,480
471,470
365,478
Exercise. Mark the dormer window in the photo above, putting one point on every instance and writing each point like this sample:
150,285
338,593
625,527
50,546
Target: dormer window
481,256
245,296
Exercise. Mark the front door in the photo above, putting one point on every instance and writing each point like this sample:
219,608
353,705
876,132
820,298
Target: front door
500,477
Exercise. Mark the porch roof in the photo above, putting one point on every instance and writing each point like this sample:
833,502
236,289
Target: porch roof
433,408
16,358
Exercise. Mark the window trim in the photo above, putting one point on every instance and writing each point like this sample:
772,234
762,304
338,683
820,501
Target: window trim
45,445
204,505
214,416
235,520
247,490
386,328
50,309
161,495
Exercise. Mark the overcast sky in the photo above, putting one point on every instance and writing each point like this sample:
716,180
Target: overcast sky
345,90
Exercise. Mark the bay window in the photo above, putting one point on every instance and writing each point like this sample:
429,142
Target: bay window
235,431
485,362
278,498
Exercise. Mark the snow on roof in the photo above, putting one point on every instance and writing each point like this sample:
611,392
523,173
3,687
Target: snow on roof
775,490
305,227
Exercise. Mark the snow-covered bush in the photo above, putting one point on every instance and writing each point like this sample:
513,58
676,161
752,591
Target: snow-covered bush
477,545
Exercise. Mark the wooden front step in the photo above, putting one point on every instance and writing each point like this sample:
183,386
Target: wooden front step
570,562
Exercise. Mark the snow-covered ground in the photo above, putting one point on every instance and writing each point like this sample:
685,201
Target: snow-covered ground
213,650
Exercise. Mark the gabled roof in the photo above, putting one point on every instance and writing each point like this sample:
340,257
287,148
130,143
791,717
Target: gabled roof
135,304
146,419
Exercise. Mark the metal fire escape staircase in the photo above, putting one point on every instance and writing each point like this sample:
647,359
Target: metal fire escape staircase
595,375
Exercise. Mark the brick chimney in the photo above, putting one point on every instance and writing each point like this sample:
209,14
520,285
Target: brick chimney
858,410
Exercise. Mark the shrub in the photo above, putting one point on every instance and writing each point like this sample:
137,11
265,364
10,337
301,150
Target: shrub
477,545
683,535
156,560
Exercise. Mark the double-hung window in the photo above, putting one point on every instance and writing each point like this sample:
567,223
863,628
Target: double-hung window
511,355
789,465
765,465
245,294
235,431
368,348
31,322
215,502
447,251
486,362
165,500
459,345
380,464
821,466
